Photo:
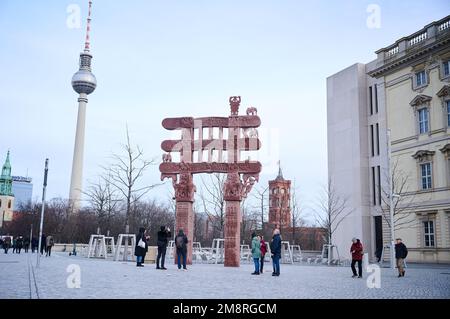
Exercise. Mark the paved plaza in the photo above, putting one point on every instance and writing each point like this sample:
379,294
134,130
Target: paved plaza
19,278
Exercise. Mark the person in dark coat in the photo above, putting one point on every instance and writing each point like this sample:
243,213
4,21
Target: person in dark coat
275,249
34,244
6,244
378,253
19,244
139,250
147,240
400,254
14,245
181,246
26,244
43,244
357,255
163,239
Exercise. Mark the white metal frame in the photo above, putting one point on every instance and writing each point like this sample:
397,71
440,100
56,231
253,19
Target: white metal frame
119,247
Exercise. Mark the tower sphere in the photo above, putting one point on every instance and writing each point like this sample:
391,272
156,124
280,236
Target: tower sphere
84,81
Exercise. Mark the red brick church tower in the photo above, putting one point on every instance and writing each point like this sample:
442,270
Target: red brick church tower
279,201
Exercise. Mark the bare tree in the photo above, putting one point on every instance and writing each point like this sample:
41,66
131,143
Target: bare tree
296,212
261,198
403,199
126,172
213,201
103,200
332,209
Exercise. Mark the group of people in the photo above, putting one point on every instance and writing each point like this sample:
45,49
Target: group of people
357,252
164,235
19,243
259,250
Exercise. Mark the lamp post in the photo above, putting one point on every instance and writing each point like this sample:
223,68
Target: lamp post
42,212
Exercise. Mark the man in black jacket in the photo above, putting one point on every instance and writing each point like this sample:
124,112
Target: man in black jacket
275,249
400,254
163,238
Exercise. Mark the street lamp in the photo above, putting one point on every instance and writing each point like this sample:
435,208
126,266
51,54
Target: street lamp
44,187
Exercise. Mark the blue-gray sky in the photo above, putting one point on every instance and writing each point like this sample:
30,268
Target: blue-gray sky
155,59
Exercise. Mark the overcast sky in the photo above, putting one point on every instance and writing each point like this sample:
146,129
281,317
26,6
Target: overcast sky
157,59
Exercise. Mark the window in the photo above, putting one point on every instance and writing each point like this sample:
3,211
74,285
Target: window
447,68
379,184
370,100
421,78
378,139
429,233
372,141
423,121
425,172
282,191
374,196
9,204
448,113
376,98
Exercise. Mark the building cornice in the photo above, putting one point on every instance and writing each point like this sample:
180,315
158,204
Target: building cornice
411,49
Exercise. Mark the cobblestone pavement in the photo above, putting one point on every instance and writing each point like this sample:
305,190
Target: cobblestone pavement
19,278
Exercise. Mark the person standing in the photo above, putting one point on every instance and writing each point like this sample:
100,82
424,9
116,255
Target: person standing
400,254
43,244
163,238
181,245
256,253
263,253
48,245
7,244
14,244
34,244
275,248
26,244
19,244
357,254
141,244
147,240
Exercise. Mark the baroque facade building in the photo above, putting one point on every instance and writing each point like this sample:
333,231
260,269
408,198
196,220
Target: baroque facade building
6,195
390,120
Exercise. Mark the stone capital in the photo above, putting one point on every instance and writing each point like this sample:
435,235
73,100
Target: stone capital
185,188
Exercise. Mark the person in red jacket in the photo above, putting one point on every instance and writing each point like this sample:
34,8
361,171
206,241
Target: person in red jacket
263,253
357,254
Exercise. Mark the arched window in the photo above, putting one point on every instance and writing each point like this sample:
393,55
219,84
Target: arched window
9,204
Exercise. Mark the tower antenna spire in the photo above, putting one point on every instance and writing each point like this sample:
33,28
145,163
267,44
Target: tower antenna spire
87,43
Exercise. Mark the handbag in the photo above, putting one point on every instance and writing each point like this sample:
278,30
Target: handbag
141,243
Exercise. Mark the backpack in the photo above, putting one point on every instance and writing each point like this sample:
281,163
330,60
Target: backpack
179,241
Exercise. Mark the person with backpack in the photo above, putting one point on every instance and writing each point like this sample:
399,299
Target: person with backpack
400,254
263,253
357,255
163,238
49,244
256,253
275,248
141,245
181,245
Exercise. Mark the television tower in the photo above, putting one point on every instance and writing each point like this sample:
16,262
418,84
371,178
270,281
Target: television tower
84,83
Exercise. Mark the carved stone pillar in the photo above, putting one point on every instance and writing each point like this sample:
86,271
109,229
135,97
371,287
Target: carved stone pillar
233,190
184,196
